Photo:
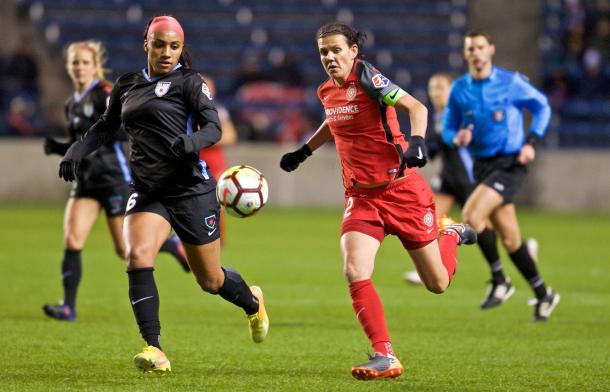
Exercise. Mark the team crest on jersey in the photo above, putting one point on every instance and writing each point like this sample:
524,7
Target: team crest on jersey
210,222
162,88
498,115
380,81
88,109
350,94
206,90
429,219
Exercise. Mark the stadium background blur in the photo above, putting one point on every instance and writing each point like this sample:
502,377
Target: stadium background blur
263,57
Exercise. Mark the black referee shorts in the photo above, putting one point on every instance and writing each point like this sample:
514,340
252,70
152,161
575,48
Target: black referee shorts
196,219
459,188
501,173
112,197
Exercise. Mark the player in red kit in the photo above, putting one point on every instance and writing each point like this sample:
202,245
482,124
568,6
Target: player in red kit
384,192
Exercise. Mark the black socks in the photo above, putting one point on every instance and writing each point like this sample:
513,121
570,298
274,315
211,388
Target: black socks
236,291
71,271
526,265
487,243
145,304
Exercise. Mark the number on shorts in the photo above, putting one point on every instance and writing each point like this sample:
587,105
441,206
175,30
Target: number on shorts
348,208
132,201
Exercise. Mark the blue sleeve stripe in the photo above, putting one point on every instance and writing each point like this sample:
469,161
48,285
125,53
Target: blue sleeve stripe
189,124
122,161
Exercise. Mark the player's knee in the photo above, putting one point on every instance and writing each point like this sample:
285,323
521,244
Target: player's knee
511,243
353,273
436,286
73,240
140,256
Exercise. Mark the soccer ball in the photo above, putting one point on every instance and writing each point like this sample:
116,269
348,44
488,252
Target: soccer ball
242,191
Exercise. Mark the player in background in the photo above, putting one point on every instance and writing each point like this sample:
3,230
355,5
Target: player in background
103,181
380,179
484,113
453,185
168,112
214,155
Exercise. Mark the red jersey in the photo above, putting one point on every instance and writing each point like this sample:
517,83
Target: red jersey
366,131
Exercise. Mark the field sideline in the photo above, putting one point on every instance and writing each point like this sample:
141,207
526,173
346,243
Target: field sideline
445,342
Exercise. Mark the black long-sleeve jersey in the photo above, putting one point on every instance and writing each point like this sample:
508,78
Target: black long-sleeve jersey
108,164
154,113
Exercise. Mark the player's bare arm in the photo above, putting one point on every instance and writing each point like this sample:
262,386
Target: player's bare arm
418,114
320,137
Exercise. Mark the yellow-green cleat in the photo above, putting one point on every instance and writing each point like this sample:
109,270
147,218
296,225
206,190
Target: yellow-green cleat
152,360
258,322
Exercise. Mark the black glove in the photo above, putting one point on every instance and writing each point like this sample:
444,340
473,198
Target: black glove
51,146
416,153
68,169
183,145
292,160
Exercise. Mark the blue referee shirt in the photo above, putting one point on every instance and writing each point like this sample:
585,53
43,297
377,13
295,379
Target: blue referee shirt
493,106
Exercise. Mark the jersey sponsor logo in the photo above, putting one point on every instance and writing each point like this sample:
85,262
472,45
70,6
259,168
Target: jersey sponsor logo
341,110
88,109
206,90
162,88
350,94
380,81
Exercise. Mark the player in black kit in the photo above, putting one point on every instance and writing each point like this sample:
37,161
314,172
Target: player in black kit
103,181
169,115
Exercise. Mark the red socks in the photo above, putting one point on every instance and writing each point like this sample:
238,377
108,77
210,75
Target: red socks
448,243
369,311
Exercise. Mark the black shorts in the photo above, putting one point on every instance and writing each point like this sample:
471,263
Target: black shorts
457,186
112,197
195,219
501,173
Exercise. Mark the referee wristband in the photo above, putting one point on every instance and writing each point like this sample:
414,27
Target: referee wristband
532,139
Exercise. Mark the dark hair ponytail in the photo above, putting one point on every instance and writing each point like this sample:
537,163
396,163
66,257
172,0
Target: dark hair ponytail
353,36
185,57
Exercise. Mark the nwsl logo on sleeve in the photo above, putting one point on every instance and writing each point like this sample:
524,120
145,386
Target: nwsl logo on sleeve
162,88
380,81
206,90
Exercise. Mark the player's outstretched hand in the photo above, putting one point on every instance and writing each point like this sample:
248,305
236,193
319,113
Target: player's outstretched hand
416,155
51,146
290,161
68,169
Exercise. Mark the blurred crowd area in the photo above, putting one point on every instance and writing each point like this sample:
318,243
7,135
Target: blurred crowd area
576,70
263,57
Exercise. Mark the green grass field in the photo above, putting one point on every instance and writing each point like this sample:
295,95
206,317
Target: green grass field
445,342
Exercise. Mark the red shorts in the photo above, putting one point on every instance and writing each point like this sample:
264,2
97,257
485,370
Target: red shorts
404,208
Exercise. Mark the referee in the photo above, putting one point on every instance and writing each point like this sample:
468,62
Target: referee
484,113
